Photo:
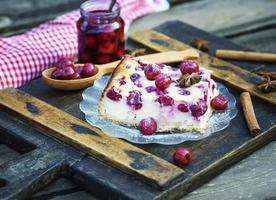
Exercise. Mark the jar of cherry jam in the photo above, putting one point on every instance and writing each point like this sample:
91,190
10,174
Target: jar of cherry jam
100,33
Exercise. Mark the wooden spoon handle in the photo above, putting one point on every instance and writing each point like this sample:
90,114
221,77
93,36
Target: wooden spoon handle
170,56
163,57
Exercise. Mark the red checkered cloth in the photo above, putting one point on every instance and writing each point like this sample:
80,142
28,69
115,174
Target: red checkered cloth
24,57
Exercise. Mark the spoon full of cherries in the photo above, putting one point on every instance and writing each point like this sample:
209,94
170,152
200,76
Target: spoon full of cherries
66,75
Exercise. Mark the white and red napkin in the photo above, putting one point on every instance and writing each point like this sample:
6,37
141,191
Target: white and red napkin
24,57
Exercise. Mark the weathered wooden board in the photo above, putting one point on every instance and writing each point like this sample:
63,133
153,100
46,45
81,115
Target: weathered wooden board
18,16
224,18
222,71
210,156
6,153
91,140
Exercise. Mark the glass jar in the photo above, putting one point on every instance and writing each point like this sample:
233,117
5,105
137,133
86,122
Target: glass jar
100,33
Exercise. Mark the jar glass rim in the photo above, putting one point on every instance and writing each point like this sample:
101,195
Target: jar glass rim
87,8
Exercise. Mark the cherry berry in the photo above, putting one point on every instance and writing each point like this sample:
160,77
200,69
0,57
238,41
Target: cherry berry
148,126
163,81
165,100
69,73
182,156
198,109
78,76
104,58
113,95
89,70
107,47
219,103
91,41
57,74
134,100
183,107
189,67
65,62
78,69
152,71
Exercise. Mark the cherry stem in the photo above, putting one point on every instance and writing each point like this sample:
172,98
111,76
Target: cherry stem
112,3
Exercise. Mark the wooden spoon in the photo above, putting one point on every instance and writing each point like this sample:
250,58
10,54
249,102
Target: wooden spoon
164,57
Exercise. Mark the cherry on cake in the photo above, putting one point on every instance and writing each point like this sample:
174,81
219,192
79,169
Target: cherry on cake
160,97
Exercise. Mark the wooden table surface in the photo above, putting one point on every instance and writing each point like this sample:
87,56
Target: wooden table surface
248,23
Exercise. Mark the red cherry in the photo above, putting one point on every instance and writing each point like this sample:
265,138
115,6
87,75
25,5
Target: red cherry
78,76
78,69
121,33
183,107
107,47
148,126
119,53
189,67
151,71
113,95
198,109
65,62
165,100
107,36
69,73
89,70
182,156
85,56
104,58
163,81
57,73
134,100
90,40
219,103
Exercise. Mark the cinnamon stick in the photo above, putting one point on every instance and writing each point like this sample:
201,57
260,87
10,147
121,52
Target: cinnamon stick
246,55
249,114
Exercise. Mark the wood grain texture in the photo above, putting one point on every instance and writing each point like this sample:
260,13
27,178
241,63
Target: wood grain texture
264,41
78,133
224,18
7,154
60,187
253,178
18,16
222,71
81,195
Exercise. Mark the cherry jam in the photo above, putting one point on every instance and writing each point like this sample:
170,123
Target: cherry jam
100,33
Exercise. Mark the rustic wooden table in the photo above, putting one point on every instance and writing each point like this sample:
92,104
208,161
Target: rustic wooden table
252,25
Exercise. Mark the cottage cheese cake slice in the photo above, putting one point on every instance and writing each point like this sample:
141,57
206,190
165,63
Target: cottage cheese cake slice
178,99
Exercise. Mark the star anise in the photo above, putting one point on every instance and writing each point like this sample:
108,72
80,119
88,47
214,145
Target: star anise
188,80
136,52
200,44
269,85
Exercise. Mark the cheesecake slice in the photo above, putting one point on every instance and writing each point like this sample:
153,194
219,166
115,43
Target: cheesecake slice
133,94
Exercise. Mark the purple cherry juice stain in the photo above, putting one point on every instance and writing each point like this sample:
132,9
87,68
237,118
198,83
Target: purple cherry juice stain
184,92
200,73
142,63
128,66
201,86
161,66
134,77
174,69
122,80
135,100
139,68
150,89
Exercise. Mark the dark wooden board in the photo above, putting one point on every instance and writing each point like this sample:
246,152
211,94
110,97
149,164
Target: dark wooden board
211,155
224,72
88,139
